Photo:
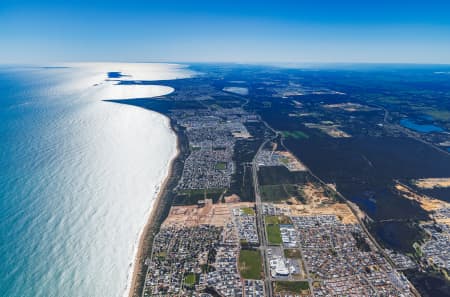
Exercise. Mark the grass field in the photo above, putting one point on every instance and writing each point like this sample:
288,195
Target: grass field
248,210
274,193
295,134
221,166
300,287
250,264
273,234
271,220
189,279
161,255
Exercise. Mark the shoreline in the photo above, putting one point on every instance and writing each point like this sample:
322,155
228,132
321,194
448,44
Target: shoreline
139,256
161,206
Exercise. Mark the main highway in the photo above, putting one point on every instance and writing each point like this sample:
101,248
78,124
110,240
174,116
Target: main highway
260,225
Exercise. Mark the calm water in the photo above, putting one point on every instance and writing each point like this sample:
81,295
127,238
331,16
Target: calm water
369,205
426,128
77,180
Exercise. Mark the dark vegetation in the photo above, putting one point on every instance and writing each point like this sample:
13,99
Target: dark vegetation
429,284
398,235
276,175
245,150
361,242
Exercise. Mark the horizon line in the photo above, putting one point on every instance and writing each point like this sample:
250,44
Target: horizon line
261,63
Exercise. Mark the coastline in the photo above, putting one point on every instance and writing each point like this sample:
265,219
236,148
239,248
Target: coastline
160,209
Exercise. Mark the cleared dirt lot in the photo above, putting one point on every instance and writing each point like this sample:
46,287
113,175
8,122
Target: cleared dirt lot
427,203
431,183
207,214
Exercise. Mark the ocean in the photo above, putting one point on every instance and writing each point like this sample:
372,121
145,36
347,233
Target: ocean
78,176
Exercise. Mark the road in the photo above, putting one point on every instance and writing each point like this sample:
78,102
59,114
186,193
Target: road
260,224
259,216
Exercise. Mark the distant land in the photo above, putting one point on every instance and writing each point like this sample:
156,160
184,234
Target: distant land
304,182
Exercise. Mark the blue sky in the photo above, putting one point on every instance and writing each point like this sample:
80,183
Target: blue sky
225,31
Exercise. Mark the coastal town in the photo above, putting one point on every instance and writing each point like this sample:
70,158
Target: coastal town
222,246
243,214
210,250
